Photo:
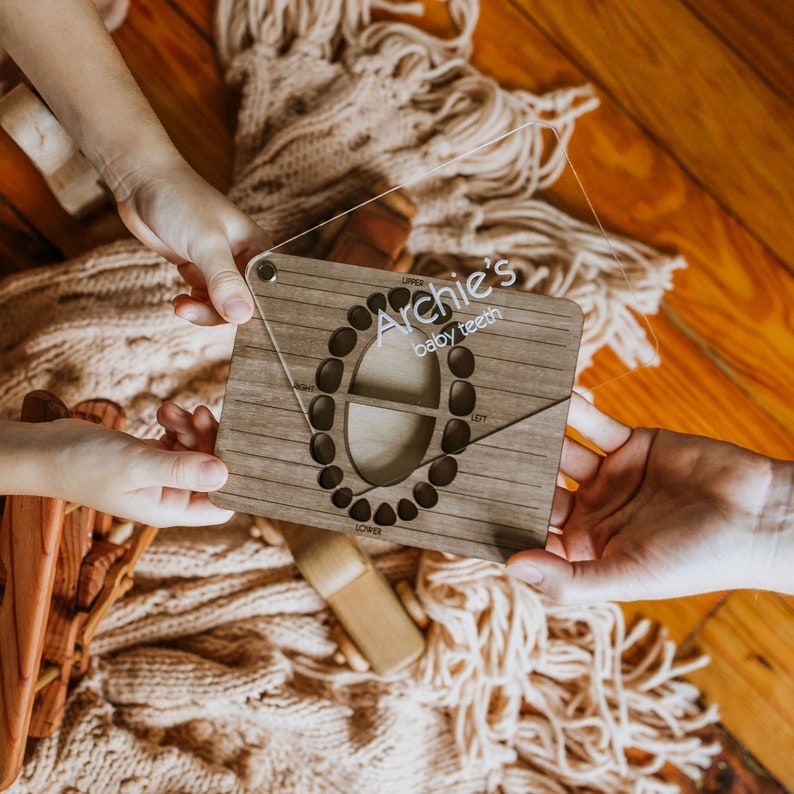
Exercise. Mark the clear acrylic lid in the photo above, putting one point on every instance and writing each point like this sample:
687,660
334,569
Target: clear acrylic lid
426,403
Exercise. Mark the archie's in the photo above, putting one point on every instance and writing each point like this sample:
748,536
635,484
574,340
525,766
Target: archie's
427,315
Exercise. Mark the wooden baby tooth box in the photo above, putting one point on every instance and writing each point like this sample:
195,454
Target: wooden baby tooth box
420,410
